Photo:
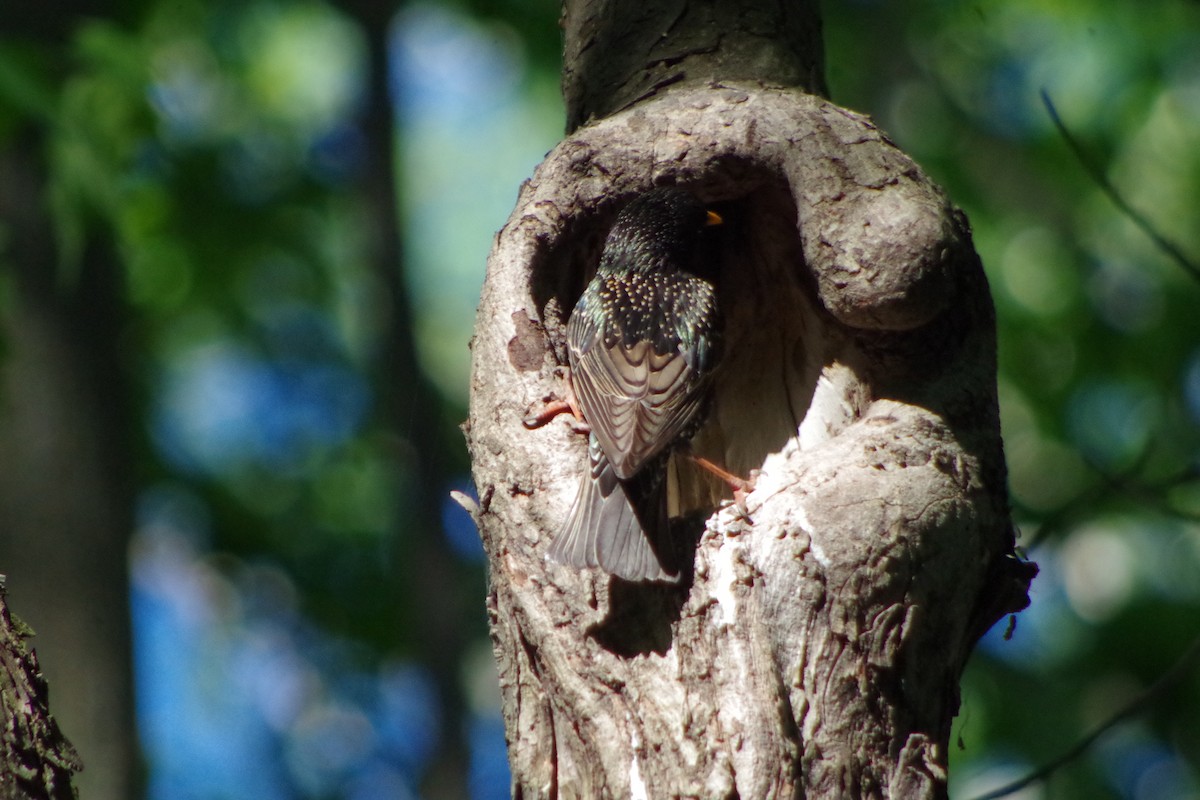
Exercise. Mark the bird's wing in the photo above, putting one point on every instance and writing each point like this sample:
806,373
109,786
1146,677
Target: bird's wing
636,400
606,529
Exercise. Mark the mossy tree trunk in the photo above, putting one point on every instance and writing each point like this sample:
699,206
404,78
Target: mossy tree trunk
36,760
816,647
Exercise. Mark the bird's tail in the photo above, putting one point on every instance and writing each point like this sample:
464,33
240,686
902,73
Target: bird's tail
619,526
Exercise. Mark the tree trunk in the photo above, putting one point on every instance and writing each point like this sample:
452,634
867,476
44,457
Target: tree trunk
66,485
36,761
422,562
815,649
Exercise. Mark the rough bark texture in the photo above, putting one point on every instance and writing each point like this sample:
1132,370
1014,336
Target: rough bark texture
36,761
817,648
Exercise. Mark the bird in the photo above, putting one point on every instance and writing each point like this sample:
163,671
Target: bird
642,342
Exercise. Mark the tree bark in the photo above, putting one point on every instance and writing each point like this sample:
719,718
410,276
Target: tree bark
36,760
616,52
815,649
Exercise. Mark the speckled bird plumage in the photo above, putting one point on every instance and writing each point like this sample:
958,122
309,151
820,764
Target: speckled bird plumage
642,343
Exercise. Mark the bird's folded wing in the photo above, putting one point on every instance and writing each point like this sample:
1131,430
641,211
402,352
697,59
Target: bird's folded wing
636,401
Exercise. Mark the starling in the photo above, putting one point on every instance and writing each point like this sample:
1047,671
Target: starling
642,343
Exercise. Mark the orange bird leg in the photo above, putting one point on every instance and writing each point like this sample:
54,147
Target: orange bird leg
536,419
740,486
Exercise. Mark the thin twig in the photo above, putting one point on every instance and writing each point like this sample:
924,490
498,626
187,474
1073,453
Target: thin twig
1097,175
1150,495
1088,499
1178,671
1153,495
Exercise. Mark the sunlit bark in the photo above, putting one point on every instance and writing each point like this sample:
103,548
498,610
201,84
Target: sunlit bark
816,648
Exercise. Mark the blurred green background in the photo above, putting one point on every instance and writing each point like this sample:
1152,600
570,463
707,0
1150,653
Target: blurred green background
242,243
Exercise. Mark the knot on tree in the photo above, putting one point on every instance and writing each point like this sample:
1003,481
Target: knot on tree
816,648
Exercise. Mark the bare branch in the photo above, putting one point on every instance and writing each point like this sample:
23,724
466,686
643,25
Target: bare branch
1169,679
1097,174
